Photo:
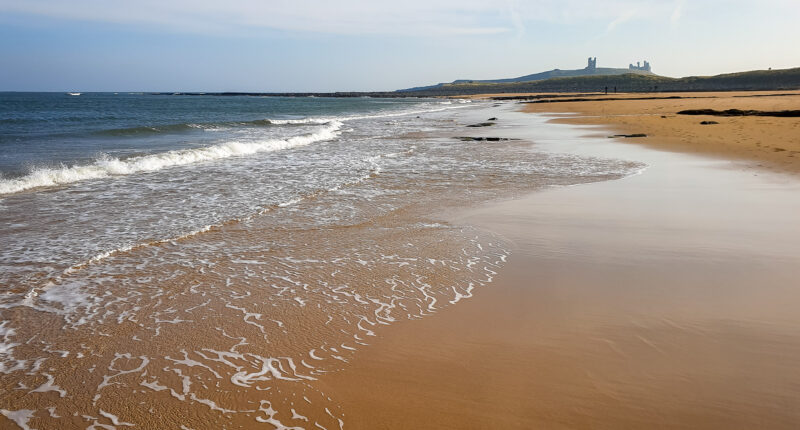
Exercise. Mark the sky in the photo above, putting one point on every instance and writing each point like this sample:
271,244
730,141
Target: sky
375,45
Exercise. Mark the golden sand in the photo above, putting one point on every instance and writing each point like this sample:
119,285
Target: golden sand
769,142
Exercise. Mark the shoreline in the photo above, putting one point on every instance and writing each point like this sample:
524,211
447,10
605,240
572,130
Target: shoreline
660,300
591,299
751,139
748,139
237,324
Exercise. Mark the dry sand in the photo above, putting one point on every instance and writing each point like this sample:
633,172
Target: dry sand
664,300
769,142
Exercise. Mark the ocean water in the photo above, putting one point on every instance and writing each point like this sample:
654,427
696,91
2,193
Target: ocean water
124,169
204,261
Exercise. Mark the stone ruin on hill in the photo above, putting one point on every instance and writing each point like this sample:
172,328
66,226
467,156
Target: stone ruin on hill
592,65
645,67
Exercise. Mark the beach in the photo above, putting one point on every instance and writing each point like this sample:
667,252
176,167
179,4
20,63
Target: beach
417,215
407,264
768,142
662,300
206,262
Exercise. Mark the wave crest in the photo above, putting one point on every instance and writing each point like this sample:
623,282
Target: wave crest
106,166
190,126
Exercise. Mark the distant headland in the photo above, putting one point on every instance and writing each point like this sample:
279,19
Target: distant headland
636,78
591,69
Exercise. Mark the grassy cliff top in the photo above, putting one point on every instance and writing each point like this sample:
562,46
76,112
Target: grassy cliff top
784,79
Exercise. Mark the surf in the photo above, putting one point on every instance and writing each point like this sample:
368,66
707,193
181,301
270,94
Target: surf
106,166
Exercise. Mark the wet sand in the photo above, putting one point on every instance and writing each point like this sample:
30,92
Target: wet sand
239,324
663,300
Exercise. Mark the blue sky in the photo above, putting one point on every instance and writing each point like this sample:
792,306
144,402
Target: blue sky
344,45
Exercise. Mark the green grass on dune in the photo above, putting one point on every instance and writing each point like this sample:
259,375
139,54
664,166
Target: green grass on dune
785,79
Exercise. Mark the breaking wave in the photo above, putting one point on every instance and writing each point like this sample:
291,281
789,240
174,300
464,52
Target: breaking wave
106,166
184,127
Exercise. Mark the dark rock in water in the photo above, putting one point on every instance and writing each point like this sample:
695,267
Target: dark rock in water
482,124
708,122
481,139
492,119
629,135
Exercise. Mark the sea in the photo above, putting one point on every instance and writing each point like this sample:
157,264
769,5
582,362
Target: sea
201,261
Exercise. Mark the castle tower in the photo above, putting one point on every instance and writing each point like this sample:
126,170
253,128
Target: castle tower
592,64
639,66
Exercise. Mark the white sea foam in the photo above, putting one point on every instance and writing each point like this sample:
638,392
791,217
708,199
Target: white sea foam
155,386
390,114
115,419
302,121
105,254
400,113
106,166
20,417
107,378
50,385
5,333
270,417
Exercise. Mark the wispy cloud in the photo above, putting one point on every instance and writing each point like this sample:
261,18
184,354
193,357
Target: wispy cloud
624,17
472,30
516,18
407,17
677,12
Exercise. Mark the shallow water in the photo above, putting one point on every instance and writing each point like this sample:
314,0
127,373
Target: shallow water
214,293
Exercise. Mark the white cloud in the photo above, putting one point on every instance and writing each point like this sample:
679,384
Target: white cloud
364,17
405,17
624,17
409,17
516,18
473,30
677,12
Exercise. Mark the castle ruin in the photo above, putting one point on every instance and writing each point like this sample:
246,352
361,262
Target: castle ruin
592,65
645,67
